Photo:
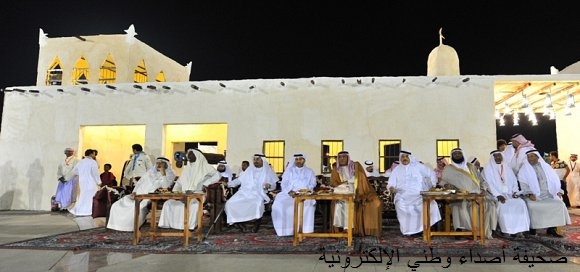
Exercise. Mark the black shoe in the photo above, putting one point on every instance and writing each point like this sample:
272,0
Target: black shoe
552,232
242,227
257,224
532,232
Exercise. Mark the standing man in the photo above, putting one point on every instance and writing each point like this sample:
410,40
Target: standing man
541,185
89,180
66,189
122,213
407,181
462,175
367,205
441,163
248,202
574,181
195,176
512,212
521,145
296,177
138,165
562,170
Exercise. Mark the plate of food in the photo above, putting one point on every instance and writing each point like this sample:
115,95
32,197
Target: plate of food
304,192
324,192
436,191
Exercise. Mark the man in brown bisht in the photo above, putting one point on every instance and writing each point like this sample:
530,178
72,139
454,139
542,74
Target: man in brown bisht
368,206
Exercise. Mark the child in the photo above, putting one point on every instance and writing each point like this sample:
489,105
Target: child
108,178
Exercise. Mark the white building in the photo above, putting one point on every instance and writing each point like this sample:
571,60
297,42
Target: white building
372,117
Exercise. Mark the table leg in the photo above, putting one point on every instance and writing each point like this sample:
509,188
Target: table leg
199,220
186,222
350,220
296,223
474,219
426,220
136,227
301,219
481,220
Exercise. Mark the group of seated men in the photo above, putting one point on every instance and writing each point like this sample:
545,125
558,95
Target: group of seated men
535,205
522,193
248,203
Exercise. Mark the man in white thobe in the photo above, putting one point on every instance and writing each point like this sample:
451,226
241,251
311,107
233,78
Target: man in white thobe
122,212
542,186
512,212
66,189
248,202
520,145
89,180
407,181
370,169
296,177
462,175
574,181
195,176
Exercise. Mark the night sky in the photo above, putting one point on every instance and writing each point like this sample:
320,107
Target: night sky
248,40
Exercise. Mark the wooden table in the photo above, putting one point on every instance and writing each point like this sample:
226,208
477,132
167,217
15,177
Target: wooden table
299,220
154,232
477,217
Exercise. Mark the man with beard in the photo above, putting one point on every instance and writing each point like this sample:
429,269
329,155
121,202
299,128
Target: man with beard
521,145
541,185
512,212
464,176
196,175
247,203
407,181
296,177
368,206
66,189
123,211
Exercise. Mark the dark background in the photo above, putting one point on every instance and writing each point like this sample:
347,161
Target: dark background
278,39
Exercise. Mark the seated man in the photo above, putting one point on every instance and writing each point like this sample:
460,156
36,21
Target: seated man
248,202
542,186
368,217
296,177
196,175
407,181
122,212
371,170
512,213
464,176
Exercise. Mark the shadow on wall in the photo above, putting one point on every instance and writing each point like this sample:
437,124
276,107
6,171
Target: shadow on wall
8,177
35,174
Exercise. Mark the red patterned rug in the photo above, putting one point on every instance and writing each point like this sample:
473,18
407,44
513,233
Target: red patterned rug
232,241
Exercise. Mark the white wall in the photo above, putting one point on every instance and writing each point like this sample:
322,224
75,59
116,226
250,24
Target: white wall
36,129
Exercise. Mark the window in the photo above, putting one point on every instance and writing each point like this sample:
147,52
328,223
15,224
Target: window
160,77
140,75
330,149
388,153
54,73
81,72
445,146
108,72
274,151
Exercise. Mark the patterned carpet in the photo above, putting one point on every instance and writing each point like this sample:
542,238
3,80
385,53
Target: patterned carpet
232,241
